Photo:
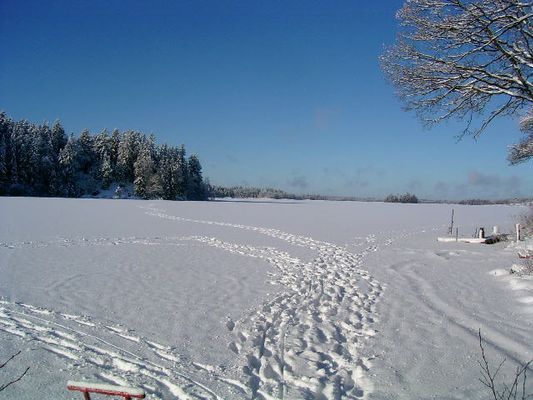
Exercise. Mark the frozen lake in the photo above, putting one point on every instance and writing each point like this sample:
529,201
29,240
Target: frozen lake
256,299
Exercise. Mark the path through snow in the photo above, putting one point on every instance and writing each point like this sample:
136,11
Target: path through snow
313,337
302,343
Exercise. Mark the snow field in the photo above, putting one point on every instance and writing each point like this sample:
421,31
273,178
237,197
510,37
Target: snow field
180,300
304,342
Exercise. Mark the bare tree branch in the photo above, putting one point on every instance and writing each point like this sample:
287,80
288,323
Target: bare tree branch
523,150
5,386
463,59
9,359
488,378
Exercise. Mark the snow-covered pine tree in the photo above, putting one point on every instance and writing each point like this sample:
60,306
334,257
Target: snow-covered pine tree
106,172
115,142
59,140
42,159
5,129
68,159
5,126
102,145
154,187
181,172
86,155
128,151
523,150
143,171
3,165
195,184
21,167
103,149
11,162
37,159
166,172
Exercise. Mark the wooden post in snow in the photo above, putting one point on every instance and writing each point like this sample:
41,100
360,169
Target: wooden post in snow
450,229
456,234
517,232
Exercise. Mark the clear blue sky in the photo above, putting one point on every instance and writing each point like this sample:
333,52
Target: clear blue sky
286,94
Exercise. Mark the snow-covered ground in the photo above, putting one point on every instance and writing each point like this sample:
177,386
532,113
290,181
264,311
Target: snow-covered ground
256,299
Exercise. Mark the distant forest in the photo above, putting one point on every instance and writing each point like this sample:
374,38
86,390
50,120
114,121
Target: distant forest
254,192
248,192
42,160
401,198
257,193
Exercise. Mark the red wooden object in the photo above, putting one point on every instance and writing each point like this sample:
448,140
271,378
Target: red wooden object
86,388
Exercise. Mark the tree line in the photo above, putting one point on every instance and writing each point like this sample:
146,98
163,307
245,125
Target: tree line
42,160
246,192
401,198
250,192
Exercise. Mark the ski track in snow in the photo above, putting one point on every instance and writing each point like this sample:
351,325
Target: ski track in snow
83,342
303,343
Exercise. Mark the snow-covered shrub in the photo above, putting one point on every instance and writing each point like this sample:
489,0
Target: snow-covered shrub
524,268
526,222
118,192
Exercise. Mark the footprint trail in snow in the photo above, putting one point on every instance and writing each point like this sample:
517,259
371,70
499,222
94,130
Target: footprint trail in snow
303,343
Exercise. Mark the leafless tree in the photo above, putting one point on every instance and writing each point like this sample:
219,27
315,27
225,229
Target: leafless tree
4,386
463,59
523,150
517,389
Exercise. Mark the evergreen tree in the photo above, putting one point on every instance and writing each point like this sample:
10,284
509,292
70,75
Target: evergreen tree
103,149
55,187
181,172
5,128
127,155
114,145
3,165
13,169
12,151
102,145
143,172
21,166
46,169
85,152
39,160
195,185
106,172
68,159
59,138
155,188
167,173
